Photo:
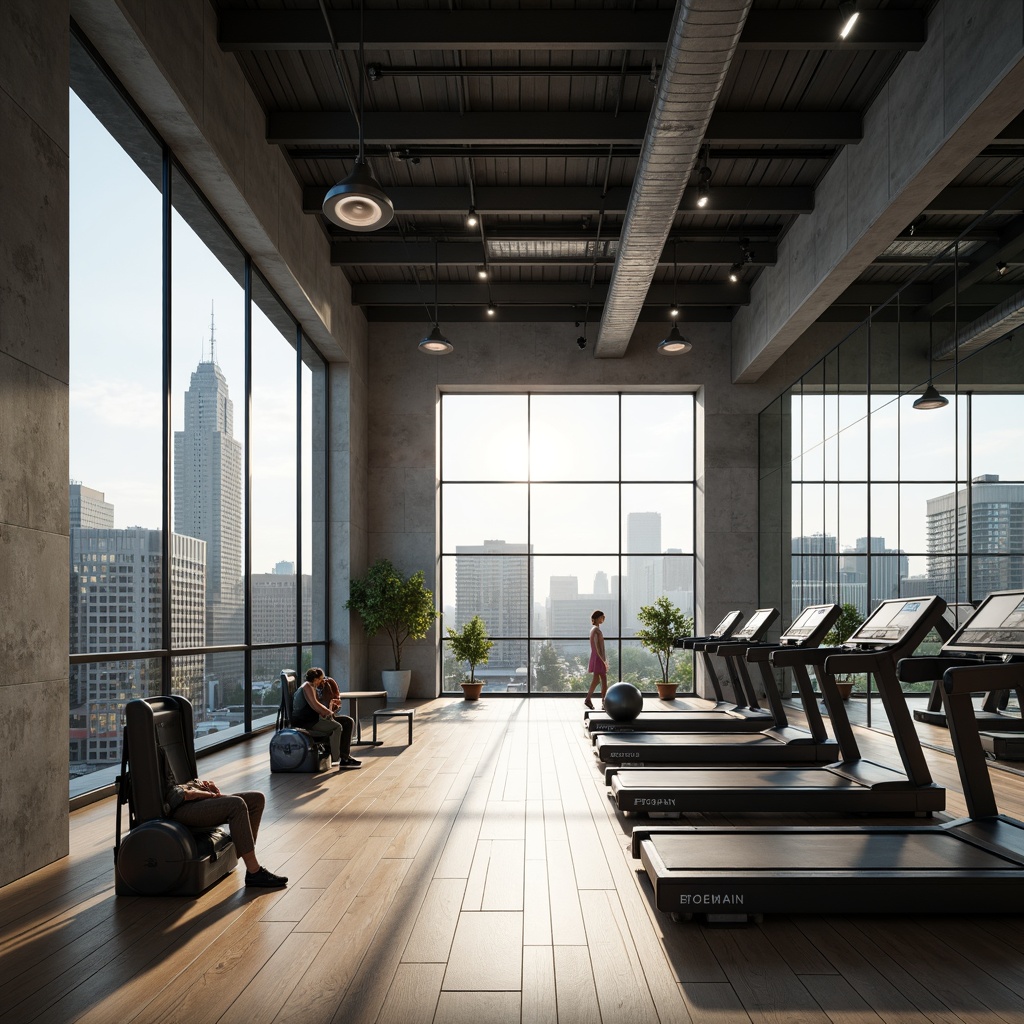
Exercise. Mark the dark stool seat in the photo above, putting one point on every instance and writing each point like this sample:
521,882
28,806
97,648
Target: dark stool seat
408,713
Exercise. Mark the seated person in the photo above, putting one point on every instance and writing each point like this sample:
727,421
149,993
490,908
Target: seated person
314,708
200,804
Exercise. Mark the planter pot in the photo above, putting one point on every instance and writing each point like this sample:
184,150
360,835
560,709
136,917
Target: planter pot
845,689
471,691
667,691
397,685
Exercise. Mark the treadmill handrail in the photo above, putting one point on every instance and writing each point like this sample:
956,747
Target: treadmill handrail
855,661
928,668
786,656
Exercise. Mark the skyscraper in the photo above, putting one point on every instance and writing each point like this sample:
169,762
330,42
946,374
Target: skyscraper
208,505
89,508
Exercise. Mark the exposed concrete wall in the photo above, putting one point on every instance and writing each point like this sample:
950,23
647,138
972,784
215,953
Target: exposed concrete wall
34,72
402,467
942,106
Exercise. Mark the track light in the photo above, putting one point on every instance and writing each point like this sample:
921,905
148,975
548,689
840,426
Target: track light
482,272
673,310
1001,268
849,14
491,309
734,273
471,218
675,344
358,203
704,185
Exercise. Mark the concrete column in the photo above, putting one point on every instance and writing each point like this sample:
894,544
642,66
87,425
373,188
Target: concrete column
34,71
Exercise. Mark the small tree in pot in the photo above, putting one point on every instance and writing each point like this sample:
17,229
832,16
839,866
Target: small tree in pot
470,644
388,602
662,623
849,621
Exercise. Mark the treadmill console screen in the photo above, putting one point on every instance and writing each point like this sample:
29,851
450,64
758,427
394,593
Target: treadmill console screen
806,622
996,627
756,624
727,625
890,622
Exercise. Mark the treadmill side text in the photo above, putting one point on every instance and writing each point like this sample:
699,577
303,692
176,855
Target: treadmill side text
708,899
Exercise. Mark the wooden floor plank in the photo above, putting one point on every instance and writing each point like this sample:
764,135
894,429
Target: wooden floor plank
536,904
540,1005
504,887
432,934
713,1003
412,997
487,953
574,986
474,1007
566,916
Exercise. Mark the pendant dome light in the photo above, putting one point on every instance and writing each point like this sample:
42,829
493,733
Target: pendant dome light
358,203
674,344
930,397
435,343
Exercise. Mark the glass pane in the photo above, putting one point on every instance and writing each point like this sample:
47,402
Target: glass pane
485,437
99,692
991,573
313,497
997,436
115,422
853,437
646,579
927,441
658,517
208,305
884,437
560,666
997,517
641,668
266,679
273,436
853,515
567,591
485,581
574,518
657,437
222,714
574,437
476,514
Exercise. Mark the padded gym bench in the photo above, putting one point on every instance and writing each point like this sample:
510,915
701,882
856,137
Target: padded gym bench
409,713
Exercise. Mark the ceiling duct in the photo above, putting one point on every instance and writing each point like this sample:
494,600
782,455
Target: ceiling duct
1006,317
703,40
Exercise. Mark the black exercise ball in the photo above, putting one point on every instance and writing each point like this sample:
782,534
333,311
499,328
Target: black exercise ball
623,702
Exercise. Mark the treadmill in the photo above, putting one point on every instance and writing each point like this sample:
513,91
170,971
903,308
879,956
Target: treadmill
893,630
973,865
720,716
851,785
992,715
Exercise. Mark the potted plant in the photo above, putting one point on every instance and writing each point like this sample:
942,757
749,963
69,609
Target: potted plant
848,622
402,607
662,623
470,644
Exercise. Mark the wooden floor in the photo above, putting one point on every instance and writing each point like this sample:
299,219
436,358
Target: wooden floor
480,875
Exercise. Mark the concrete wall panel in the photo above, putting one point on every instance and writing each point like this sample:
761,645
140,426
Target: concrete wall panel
831,238
868,170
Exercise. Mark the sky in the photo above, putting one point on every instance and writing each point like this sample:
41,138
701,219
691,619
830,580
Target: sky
115,371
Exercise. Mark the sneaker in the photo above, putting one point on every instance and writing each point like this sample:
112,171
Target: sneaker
264,879
588,703
349,762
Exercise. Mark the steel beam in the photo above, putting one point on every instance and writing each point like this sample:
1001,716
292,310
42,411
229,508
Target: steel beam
571,127
530,293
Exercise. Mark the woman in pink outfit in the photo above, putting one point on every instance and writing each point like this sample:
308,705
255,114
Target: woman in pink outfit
598,662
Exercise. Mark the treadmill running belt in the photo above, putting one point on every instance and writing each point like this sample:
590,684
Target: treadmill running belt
713,778
668,739
829,851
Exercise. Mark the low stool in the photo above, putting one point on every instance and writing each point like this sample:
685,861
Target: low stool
408,713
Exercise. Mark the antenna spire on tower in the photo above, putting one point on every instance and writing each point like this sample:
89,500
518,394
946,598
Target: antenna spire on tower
213,343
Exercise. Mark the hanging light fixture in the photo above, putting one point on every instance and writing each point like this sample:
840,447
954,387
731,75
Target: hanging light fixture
704,185
471,218
358,203
435,343
930,397
674,344
482,272
491,309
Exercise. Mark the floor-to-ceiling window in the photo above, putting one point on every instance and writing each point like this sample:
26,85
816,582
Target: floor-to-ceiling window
194,568
554,506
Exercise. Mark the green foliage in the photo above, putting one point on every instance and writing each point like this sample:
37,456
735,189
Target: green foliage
662,623
850,619
549,670
470,644
388,602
